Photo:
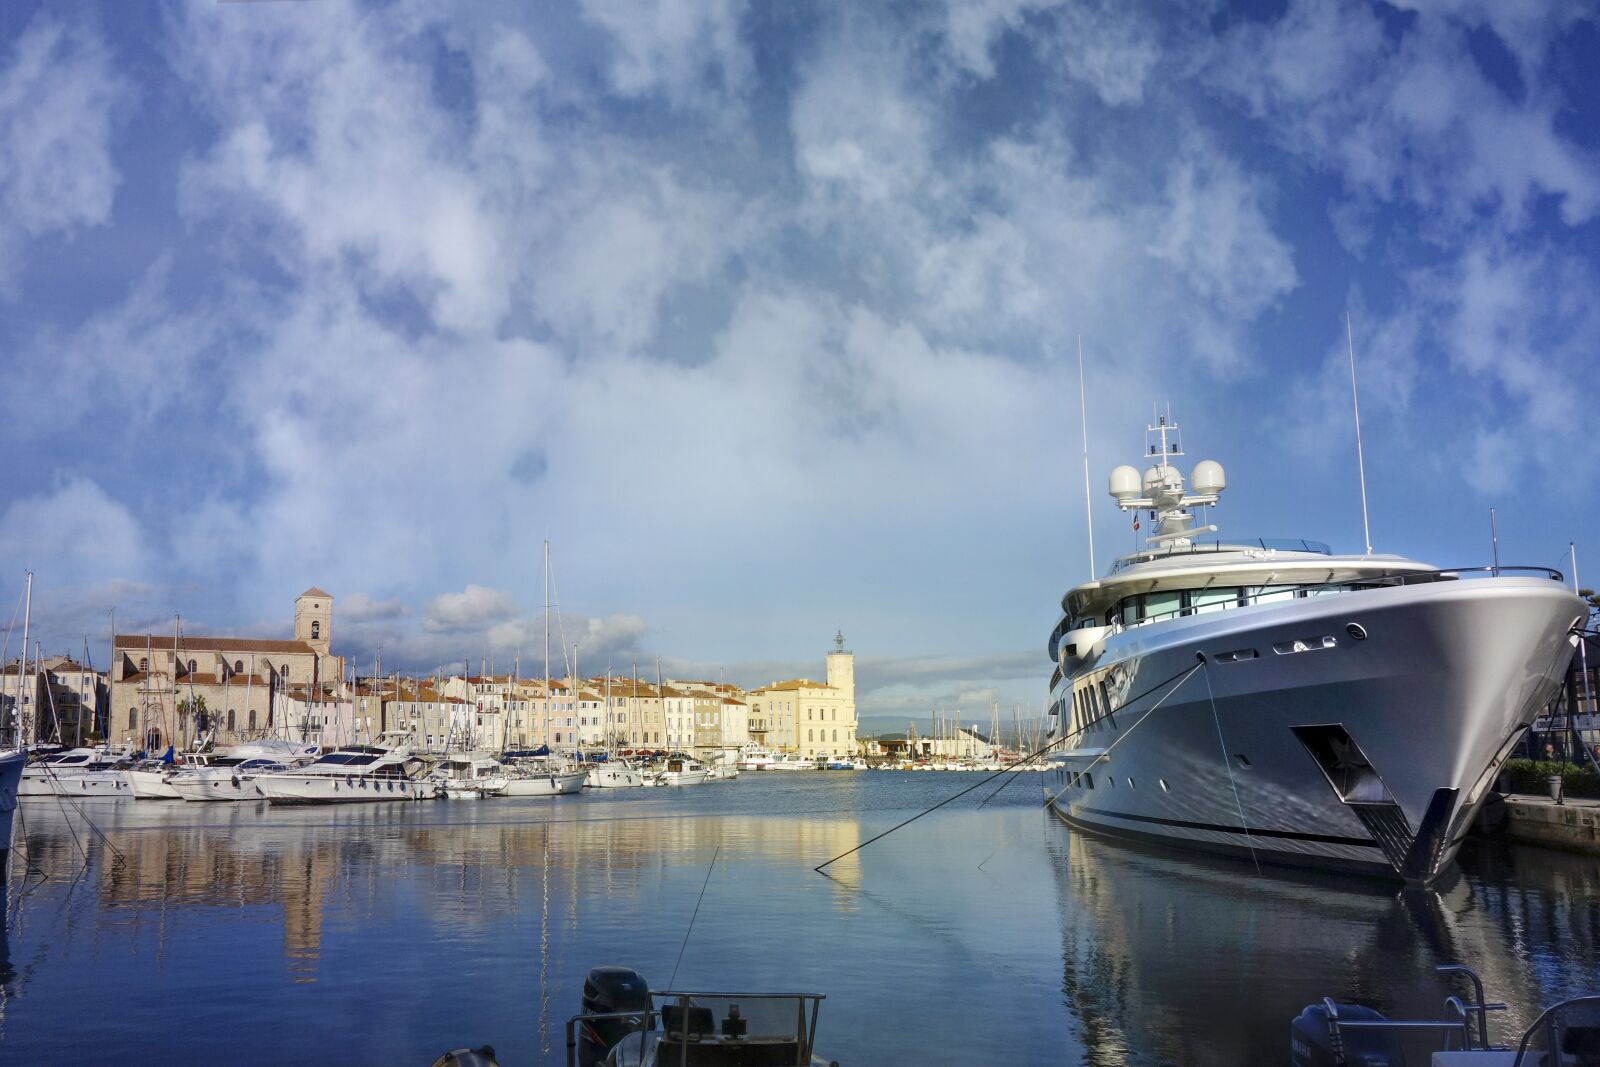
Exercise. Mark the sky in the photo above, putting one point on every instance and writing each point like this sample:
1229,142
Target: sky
767,316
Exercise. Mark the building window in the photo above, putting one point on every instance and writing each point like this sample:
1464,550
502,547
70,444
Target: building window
811,735
252,719
316,629
133,718
238,666
230,721
836,735
144,663
191,666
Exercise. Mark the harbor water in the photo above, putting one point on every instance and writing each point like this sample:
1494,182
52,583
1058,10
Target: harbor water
985,932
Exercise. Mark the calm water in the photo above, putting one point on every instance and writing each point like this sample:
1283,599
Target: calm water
386,934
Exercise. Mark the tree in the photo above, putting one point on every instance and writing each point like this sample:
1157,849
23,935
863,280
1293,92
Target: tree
202,717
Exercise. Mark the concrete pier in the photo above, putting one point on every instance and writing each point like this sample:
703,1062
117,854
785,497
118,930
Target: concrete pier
1533,820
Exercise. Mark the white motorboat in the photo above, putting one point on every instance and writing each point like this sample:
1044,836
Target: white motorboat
355,774
681,770
541,776
753,758
232,777
147,779
470,777
613,774
721,771
790,761
78,772
1280,702
12,762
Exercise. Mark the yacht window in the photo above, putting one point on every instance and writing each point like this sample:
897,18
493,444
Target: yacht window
1088,779
1271,594
1162,605
1202,601
1327,590
1105,703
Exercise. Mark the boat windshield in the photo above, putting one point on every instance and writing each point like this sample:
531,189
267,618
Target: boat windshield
782,1025
347,759
1249,544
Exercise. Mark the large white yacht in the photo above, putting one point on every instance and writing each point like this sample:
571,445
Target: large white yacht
1278,702
351,775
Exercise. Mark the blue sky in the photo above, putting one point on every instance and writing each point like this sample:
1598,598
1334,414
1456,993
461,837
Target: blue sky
766,314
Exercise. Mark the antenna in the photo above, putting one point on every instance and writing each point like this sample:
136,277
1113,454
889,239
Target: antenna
1083,413
1355,404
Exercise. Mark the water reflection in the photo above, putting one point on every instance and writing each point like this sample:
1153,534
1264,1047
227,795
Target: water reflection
389,933
1170,959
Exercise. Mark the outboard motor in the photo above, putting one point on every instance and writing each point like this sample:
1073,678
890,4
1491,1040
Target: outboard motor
1316,1040
608,990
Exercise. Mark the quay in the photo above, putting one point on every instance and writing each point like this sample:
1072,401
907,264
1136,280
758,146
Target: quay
1573,826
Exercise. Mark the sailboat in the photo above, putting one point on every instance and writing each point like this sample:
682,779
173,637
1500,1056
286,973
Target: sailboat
614,772
537,774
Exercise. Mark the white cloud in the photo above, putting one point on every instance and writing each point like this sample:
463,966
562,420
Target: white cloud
474,608
75,530
691,51
59,97
1410,117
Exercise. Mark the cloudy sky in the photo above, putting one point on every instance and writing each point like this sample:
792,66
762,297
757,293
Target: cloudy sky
766,314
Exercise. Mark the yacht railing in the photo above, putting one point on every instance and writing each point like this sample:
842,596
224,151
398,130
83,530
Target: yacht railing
1270,544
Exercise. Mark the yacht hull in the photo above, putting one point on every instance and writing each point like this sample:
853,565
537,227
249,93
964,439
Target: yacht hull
545,785
682,777
1275,732
340,789
83,785
215,786
609,776
150,785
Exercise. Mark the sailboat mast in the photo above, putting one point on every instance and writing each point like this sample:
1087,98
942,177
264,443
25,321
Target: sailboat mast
547,701
21,669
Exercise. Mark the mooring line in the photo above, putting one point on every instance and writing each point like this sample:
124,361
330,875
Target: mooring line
1012,769
1227,765
693,916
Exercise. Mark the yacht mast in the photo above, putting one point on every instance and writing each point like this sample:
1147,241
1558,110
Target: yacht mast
25,736
1361,462
547,700
1083,414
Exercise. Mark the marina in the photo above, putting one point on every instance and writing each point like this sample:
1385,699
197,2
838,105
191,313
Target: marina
346,918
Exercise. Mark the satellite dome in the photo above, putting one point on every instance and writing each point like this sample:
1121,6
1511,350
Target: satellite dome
1152,479
1124,484
1208,478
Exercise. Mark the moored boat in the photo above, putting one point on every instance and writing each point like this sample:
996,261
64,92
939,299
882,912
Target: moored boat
1276,701
470,777
382,771
232,777
78,772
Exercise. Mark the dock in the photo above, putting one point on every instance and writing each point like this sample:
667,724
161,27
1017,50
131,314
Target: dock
1533,820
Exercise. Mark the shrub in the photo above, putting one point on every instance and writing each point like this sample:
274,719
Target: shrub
1531,776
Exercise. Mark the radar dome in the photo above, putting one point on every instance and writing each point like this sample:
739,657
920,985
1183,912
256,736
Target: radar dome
1208,478
1152,479
1125,484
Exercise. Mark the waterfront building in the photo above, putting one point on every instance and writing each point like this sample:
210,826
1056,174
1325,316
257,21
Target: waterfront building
172,688
64,700
809,718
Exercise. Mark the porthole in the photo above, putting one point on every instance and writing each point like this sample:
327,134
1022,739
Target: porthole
1357,631
1164,787
1244,761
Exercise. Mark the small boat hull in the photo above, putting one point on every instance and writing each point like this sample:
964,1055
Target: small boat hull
561,783
151,785
341,789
